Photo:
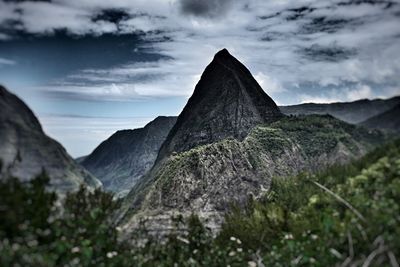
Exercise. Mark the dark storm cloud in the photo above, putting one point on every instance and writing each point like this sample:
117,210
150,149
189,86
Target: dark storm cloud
332,53
385,3
296,13
205,8
20,1
111,15
327,25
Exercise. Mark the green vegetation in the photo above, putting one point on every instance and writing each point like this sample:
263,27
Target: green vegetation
343,215
316,133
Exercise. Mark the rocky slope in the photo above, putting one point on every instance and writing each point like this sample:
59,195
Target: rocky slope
211,171
209,177
351,112
25,150
124,157
388,121
227,102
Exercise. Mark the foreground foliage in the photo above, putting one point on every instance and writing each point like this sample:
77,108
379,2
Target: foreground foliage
346,215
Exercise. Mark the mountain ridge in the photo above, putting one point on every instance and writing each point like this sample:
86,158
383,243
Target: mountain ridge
26,151
126,155
388,120
352,112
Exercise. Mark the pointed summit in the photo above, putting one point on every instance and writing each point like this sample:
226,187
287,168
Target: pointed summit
227,102
222,53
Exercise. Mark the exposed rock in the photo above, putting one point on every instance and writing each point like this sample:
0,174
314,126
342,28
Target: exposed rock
211,177
227,102
351,112
25,150
228,143
128,154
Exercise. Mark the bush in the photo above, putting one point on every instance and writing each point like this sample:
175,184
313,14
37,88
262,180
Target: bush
345,214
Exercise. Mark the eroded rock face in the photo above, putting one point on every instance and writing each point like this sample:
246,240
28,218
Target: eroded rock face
209,178
128,154
25,150
227,102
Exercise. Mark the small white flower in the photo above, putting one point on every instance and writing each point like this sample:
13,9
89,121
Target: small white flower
33,243
184,240
239,250
15,246
251,264
314,237
111,254
75,250
238,241
233,238
232,253
288,236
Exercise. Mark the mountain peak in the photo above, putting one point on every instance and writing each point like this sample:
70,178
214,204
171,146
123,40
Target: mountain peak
227,102
222,53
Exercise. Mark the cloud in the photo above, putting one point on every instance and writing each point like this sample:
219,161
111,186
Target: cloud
4,61
349,93
331,52
293,43
205,8
362,92
269,84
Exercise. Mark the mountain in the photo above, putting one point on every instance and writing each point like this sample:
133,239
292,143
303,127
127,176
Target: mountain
227,102
25,150
351,112
128,154
235,144
389,120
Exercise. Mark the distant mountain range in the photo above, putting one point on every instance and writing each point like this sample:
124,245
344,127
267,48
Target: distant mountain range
388,120
228,143
127,155
351,112
121,160
26,151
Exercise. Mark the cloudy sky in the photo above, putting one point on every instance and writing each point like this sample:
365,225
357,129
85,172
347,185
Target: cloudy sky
90,67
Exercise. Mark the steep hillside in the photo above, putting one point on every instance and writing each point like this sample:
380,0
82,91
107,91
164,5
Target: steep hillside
25,150
389,121
351,112
206,179
227,102
124,157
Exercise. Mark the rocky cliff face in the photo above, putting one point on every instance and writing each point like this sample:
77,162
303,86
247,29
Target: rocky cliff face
210,177
128,154
351,112
227,102
230,154
25,150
